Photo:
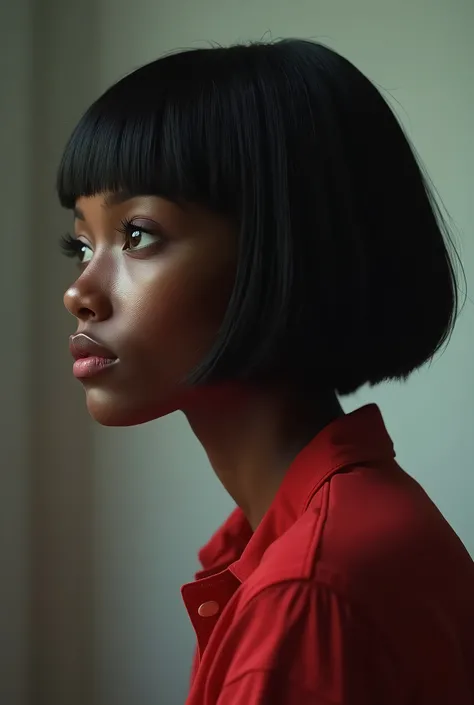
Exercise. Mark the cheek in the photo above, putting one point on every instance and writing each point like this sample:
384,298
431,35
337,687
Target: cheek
177,317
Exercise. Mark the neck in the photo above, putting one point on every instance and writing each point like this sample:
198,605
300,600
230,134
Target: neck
251,436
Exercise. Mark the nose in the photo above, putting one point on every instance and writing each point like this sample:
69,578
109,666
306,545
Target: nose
86,303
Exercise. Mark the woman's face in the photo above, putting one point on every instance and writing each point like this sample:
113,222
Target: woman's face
155,280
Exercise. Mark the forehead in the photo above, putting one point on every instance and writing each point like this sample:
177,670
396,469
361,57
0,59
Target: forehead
103,201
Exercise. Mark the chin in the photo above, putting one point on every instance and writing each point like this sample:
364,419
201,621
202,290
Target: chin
113,412
109,408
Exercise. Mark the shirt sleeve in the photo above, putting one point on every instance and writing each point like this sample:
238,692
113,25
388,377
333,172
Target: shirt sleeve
299,643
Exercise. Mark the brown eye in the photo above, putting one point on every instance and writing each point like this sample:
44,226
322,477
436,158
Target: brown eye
137,238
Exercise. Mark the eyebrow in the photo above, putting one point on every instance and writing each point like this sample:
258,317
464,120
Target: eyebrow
111,199
118,197
78,214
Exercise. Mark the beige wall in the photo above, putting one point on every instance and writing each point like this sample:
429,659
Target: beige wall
15,142
66,43
117,515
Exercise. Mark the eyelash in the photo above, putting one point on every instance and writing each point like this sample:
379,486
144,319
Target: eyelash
127,228
72,247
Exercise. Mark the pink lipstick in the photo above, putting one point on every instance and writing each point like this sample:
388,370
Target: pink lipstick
90,356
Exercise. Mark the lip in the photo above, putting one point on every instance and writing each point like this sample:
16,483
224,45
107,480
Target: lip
90,356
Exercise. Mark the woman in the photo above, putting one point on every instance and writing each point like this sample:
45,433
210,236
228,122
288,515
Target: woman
255,239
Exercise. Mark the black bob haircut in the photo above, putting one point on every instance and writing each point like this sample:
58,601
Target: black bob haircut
343,275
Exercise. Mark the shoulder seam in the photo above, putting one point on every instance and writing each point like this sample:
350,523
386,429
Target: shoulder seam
314,545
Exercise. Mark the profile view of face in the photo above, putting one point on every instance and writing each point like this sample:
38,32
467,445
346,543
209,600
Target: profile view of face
155,280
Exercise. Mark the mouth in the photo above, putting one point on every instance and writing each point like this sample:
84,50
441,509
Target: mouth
90,357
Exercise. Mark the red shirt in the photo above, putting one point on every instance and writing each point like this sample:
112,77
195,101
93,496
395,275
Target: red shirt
353,590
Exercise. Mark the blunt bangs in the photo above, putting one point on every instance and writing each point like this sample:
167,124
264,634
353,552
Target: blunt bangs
151,133
344,276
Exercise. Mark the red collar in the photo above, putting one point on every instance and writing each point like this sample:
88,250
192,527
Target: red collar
356,438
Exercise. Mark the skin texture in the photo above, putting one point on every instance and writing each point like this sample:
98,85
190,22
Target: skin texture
156,300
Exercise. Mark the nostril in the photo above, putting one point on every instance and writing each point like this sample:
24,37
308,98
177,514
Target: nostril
85,313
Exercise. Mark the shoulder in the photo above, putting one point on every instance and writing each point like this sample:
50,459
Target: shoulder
307,609
298,641
348,597
375,539
360,524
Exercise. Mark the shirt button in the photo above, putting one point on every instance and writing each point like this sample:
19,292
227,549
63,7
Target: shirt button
208,609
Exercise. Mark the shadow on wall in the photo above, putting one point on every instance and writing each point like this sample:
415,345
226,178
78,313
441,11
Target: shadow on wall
65,78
